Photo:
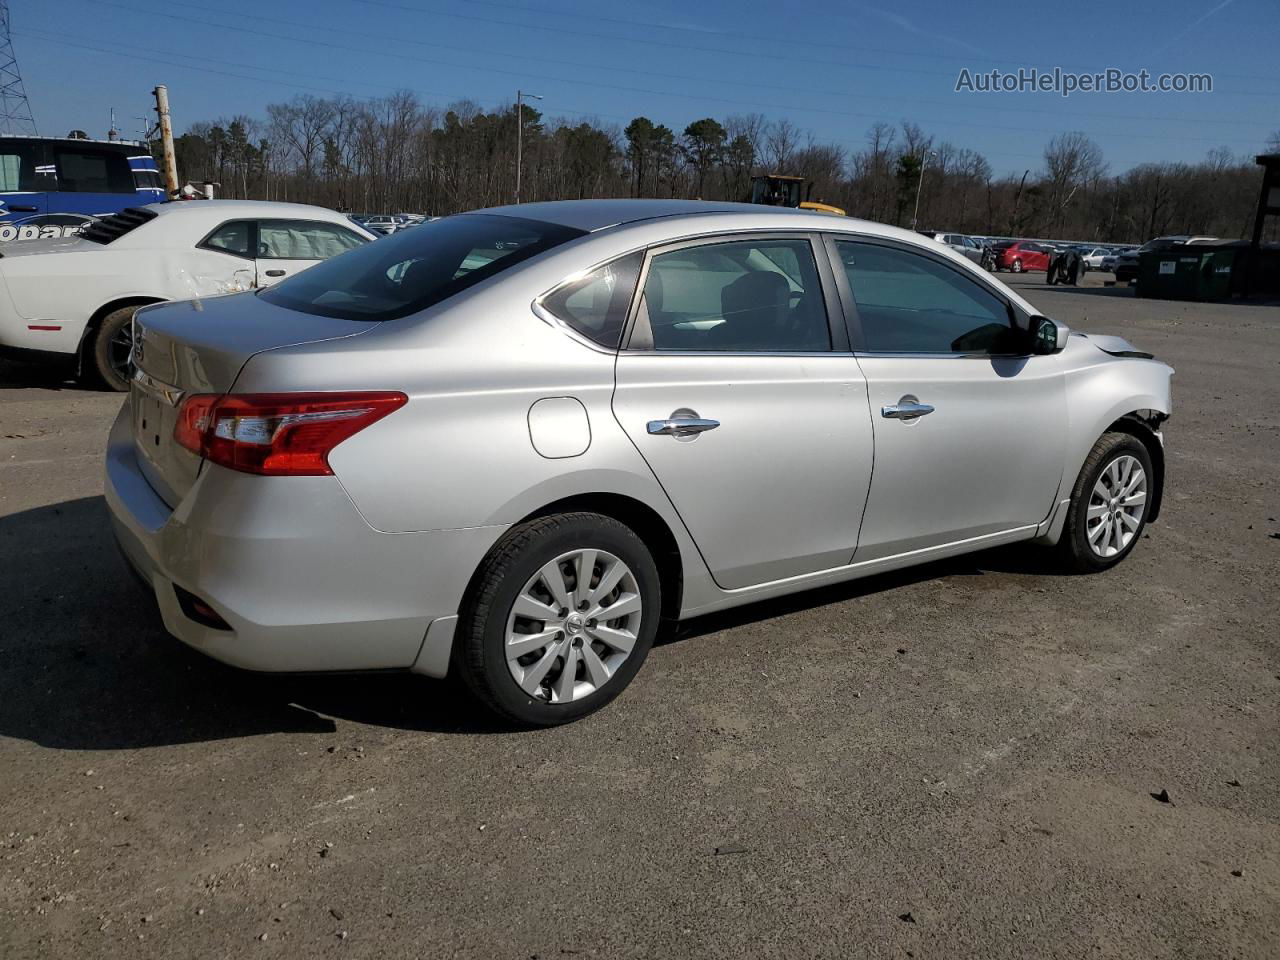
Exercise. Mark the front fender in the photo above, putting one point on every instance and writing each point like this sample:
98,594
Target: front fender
1104,391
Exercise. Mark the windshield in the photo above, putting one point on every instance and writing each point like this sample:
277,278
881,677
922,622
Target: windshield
416,269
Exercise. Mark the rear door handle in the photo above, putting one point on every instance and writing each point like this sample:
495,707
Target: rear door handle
23,209
679,427
908,408
275,273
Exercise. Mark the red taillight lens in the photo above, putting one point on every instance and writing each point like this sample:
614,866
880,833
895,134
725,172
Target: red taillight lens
193,421
278,434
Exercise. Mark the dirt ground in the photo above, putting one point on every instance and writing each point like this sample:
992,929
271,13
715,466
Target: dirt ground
955,761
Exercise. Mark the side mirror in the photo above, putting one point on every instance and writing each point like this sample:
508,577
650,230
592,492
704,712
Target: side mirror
1047,336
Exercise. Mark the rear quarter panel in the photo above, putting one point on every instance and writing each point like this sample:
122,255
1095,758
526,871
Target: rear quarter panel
71,286
460,454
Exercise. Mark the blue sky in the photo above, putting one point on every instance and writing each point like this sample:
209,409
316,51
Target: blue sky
833,68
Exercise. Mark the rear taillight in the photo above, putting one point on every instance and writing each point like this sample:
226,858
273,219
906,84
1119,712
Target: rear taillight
277,434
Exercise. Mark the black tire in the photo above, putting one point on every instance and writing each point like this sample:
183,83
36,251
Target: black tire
1074,548
1016,266
478,649
111,369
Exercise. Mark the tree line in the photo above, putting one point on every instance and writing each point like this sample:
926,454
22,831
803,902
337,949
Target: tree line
398,154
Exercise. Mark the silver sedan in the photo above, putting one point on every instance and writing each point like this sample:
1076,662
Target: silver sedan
514,443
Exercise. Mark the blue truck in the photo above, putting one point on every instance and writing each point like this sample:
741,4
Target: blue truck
54,186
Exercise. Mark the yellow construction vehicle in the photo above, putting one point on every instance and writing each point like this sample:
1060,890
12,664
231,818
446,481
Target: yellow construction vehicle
775,190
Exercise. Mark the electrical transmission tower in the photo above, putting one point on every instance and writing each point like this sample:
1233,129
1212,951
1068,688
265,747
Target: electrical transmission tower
15,111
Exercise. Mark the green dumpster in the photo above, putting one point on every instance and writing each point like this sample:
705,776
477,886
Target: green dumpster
1188,272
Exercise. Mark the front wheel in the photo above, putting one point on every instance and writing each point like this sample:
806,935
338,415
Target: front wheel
1016,266
1108,510
560,618
112,349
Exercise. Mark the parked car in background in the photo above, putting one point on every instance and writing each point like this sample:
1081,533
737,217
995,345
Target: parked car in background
1126,265
53,186
383,224
364,224
964,245
74,298
509,444
1092,257
1022,255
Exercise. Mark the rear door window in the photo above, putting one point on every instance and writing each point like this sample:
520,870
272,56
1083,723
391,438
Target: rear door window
86,170
753,296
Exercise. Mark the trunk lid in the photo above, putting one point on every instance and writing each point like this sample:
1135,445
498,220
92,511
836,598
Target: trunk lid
200,346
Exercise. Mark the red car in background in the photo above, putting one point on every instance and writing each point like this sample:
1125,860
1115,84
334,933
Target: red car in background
1023,255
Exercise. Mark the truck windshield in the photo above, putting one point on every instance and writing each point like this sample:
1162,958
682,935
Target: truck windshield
417,268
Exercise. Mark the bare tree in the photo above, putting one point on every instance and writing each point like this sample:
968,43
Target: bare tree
300,126
1071,161
782,139
395,154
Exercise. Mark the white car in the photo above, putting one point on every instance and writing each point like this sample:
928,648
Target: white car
385,225
73,298
1093,257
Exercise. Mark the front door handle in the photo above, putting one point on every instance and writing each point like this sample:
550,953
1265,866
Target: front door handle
22,209
681,427
908,408
275,273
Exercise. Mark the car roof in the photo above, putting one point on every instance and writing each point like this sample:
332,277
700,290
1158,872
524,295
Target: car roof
592,215
244,208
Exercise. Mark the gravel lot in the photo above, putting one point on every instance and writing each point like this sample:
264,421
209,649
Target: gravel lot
954,761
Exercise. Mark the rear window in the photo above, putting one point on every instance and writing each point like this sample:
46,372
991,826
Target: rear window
418,268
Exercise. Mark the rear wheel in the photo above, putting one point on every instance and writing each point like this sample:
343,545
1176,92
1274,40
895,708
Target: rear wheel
1109,504
560,619
112,349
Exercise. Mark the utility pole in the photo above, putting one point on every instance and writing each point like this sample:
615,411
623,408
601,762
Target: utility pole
924,165
520,95
166,142
15,109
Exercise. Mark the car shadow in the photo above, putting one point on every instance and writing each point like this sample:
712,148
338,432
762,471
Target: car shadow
1017,559
86,664
19,375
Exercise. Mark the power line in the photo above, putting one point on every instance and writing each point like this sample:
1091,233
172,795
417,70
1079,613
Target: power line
771,40
577,81
497,104
809,91
701,47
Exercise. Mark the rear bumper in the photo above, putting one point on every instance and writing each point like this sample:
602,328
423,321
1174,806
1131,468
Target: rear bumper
304,583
